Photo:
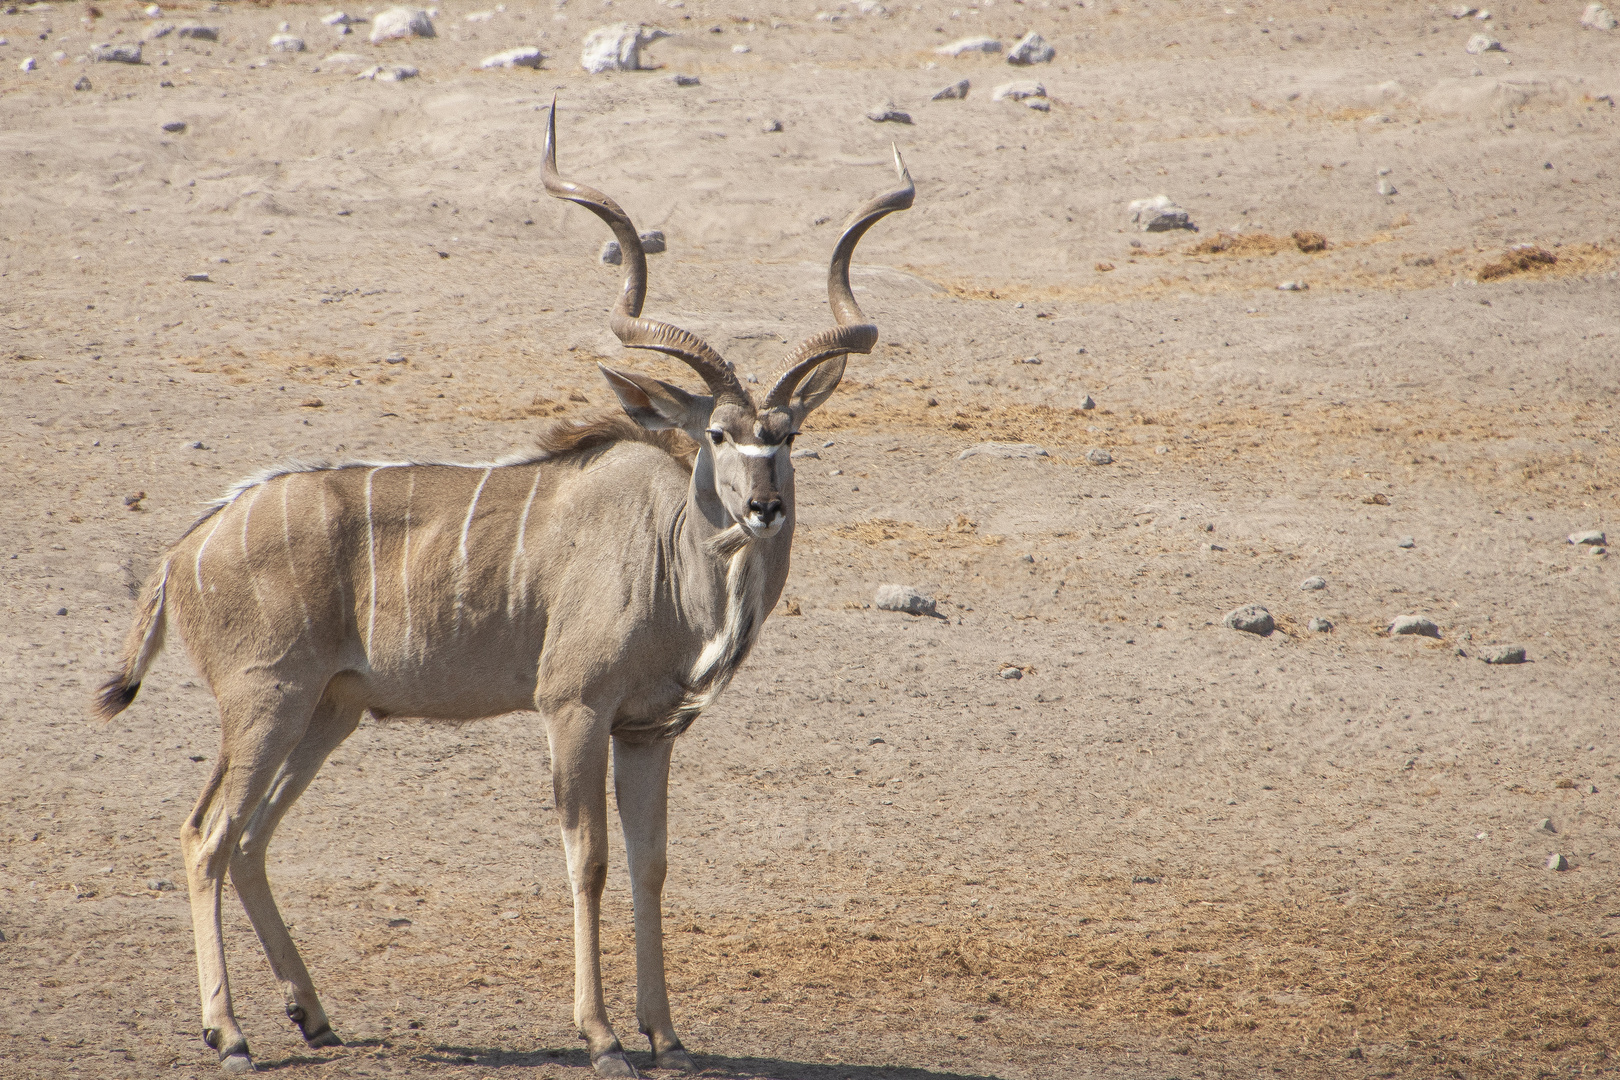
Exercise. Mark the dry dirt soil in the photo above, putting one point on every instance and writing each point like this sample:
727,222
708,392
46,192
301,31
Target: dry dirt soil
1169,849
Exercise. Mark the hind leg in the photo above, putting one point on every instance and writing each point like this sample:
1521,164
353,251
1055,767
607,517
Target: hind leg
260,726
331,724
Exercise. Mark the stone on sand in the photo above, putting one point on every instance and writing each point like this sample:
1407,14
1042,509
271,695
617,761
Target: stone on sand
391,73
1556,861
337,18
83,83
617,47
1482,43
1595,537
1003,450
1087,403
957,91
904,598
1031,49
970,45
685,80
175,127
401,22
523,56
1319,625
198,33
1503,654
122,53
1415,624
652,243
1406,542
889,114
28,64
1098,456
1158,214
1251,619
1022,90
287,43
1598,17
1311,584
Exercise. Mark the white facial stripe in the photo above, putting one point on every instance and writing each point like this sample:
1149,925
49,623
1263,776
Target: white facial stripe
758,451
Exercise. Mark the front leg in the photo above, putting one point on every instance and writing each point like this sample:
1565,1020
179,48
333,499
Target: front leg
579,756
641,781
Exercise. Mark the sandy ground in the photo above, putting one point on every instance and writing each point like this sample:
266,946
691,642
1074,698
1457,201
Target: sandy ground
1170,849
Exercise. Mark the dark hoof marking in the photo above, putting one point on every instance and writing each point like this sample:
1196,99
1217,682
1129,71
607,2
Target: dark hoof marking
324,1037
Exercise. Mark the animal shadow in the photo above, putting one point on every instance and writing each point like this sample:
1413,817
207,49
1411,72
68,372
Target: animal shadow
709,1065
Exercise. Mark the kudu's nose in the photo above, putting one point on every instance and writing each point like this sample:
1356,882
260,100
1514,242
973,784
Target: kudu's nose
767,512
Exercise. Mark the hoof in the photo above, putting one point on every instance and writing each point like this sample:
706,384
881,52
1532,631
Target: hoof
322,1038
236,1063
675,1058
613,1063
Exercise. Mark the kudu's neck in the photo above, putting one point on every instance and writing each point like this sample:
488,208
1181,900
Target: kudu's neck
706,545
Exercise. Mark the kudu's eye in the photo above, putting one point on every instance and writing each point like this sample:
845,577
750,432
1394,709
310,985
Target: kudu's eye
717,437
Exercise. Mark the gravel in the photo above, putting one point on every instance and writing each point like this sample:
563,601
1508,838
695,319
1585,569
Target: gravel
1251,619
1415,624
905,599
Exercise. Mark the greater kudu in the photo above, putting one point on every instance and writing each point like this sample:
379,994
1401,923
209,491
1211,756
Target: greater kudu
612,581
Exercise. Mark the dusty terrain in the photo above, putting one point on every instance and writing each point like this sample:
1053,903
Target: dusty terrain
1170,848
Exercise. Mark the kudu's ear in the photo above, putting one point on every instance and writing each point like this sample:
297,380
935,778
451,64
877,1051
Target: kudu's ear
816,389
657,405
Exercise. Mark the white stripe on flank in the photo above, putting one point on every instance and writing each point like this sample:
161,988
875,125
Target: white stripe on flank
219,519
247,512
371,550
517,551
461,569
405,563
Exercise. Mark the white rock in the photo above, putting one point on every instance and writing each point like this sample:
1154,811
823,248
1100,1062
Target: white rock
1251,619
957,91
1406,542
1415,624
903,598
652,242
1292,286
1312,584
337,18
970,45
198,33
1022,90
889,114
1379,118
1098,456
524,56
1503,654
401,22
126,53
1003,450
1385,188
872,8
287,43
1158,214
1595,537
392,73
1482,15
618,47
1555,861
480,16
1482,43
1011,672
1031,49
741,49
153,11
28,64
1598,17
1319,625
1462,11
201,275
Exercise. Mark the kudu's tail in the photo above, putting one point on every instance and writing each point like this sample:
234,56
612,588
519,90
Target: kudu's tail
144,642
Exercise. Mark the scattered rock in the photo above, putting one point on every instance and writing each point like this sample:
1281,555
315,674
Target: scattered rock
904,598
1292,286
1087,403
125,53
1555,861
1031,49
201,275
198,33
618,47
1039,104
153,33
337,18
393,73
1406,542
970,45
816,454
287,43
1319,625
772,127
1598,17
889,114
28,64
1461,11
1251,619
1311,584
1379,118
1098,456
611,254
652,243
524,56
401,22
1415,624
741,49
175,127
343,59
1003,450
1011,671
158,884
1159,214
479,16
83,83
957,91
685,80
1503,654
1022,90
1482,43
1385,188
1595,537
394,358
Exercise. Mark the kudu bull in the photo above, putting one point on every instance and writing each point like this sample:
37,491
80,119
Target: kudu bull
611,581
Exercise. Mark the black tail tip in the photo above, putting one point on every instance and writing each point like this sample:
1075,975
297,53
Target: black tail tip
115,696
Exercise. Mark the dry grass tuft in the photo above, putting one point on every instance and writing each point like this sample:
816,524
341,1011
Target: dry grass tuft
1518,260
1309,242
1240,244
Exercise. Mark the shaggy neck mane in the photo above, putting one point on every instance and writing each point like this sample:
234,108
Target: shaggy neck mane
587,438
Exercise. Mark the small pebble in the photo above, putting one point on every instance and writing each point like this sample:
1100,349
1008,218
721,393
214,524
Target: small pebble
1292,286
401,22
28,64
1022,90
889,114
201,275
287,43
1319,625
1482,43
905,599
685,80
1555,861
1251,619
1598,17
1406,542
772,127
1311,584
1012,673
129,53
957,91
1386,188
1595,537
1415,624
160,885
1099,456
741,49
525,56
394,358
61,611
970,45
1503,654
337,18
1030,360
198,33
1087,403
175,127
1158,214
1031,49
1003,450
816,454
1546,825
83,83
